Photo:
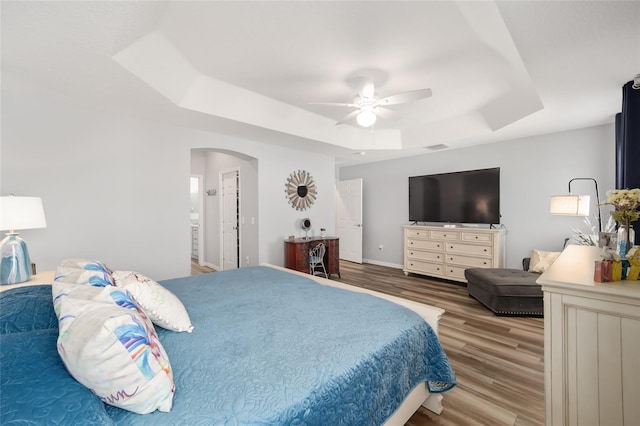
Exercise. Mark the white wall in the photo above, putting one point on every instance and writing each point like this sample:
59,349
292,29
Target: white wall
532,169
117,188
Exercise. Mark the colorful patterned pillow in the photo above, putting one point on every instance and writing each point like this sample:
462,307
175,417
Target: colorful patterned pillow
84,271
89,265
109,345
163,307
61,289
95,278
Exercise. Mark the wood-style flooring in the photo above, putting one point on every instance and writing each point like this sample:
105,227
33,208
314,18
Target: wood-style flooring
197,269
498,361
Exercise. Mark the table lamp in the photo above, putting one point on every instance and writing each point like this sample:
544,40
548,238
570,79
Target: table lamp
18,213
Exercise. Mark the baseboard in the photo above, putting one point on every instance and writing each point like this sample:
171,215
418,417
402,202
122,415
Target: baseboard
212,266
380,263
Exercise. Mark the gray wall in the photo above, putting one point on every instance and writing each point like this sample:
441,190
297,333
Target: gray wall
116,188
531,170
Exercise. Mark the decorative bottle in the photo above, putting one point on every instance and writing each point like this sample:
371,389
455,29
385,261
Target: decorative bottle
626,236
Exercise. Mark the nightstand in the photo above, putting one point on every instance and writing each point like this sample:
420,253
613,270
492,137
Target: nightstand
44,277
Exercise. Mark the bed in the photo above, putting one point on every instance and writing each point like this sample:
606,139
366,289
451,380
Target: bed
269,346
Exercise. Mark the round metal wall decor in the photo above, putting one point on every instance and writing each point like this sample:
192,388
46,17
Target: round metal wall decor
300,190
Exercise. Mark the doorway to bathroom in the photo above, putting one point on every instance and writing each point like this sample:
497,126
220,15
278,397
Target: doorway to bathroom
228,223
195,217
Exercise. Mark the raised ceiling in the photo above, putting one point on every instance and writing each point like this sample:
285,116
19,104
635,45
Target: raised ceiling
498,70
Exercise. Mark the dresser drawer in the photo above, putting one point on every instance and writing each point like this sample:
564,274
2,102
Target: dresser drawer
456,272
468,261
417,233
424,267
476,236
481,250
425,244
445,235
425,255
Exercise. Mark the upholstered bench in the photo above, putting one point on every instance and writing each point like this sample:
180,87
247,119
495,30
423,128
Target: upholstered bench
506,291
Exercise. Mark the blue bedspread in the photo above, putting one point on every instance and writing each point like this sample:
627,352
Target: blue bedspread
272,348
268,348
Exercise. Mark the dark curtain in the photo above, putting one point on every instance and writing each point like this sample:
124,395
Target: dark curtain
628,144
619,152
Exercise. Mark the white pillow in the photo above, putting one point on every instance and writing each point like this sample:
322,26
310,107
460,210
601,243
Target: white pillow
163,307
107,344
541,260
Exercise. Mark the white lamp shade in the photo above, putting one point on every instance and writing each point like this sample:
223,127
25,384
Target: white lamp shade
21,213
570,205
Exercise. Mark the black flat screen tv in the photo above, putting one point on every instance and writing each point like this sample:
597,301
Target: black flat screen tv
471,196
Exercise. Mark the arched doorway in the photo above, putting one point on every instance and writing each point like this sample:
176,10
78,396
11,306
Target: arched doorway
213,165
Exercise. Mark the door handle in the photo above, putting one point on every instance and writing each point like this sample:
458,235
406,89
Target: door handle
359,225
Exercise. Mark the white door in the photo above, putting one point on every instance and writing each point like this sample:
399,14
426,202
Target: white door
349,217
230,222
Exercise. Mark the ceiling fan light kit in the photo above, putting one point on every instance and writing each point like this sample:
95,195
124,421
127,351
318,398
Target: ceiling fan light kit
366,118
368,106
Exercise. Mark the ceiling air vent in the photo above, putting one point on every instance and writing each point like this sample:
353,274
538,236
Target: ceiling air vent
437,147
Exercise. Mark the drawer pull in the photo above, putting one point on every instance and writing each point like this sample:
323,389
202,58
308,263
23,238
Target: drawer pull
445,235
485,250
437,269
476,237
485,263
438,245
451,259
411,242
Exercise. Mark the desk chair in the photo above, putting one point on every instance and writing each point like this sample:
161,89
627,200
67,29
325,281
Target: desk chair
316,260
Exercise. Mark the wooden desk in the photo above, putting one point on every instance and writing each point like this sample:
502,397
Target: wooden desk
296,254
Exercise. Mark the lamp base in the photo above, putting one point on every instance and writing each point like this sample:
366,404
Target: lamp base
15,266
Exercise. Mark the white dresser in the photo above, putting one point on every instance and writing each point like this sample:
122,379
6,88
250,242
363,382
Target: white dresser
446,252
591,344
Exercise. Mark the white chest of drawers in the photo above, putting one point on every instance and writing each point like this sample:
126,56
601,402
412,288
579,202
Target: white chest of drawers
591,344
446,252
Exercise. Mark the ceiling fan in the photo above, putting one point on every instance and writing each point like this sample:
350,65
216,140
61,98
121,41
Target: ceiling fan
369,107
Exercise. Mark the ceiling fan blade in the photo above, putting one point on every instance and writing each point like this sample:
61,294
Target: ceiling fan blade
348,117
385,113
364,85
404,97
340,104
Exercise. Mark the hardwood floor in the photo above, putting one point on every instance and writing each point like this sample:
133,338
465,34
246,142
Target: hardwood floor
498,361
197,269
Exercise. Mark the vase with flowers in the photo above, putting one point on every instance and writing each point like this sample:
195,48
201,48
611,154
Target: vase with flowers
626,203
